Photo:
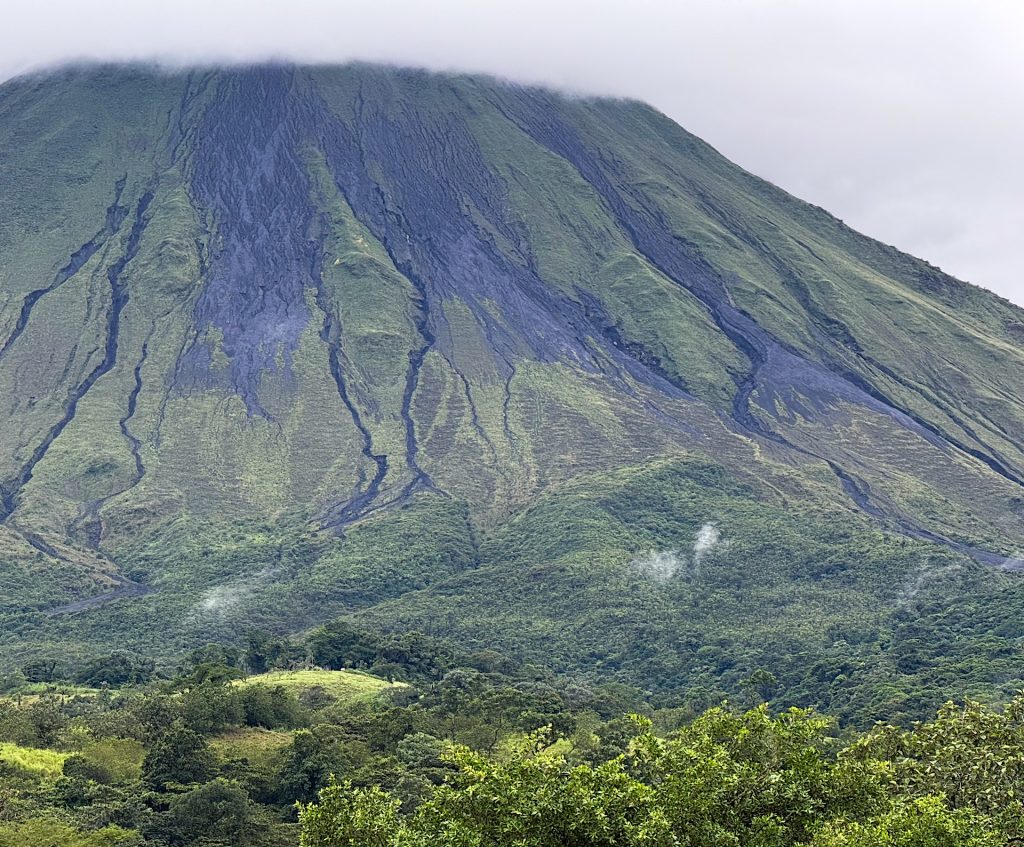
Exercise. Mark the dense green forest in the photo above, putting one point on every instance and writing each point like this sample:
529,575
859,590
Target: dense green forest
674,577
351,738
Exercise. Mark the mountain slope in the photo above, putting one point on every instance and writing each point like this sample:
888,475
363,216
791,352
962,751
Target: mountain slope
311,300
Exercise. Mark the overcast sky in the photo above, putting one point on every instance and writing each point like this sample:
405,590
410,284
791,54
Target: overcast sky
903,117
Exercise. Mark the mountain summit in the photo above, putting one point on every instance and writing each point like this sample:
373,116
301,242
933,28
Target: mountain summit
283,342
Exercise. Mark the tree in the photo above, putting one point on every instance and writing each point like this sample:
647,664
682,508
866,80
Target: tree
309,763
179,757
78,766
972,755
269,706
925,822
214,654
753,778
211,707
530,799
218,811
16,724
761,684
116,669
40,670
350,817
534,799
260,652
47,721
155,713
339,645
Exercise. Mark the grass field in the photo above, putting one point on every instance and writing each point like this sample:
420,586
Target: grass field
42,764
343,685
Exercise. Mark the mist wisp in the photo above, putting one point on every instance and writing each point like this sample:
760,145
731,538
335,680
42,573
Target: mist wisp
707,539
225,598
660,566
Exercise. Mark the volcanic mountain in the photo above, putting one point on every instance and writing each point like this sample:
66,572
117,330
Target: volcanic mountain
530,372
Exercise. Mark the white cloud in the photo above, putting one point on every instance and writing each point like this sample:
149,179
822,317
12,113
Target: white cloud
658,565
902,117
706,540
228,596
224,597
662,565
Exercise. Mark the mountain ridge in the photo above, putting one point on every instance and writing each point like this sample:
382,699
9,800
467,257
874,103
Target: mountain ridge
321,299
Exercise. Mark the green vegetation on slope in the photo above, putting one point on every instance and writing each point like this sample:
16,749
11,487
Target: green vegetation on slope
539,403
40,763
490,366
675,577
486,292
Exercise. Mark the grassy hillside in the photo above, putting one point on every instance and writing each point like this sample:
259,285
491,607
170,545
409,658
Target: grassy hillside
348,686
38,764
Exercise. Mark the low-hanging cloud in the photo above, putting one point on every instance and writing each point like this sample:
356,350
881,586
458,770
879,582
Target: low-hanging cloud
223,598
1014,563
902,118
660,566
924,578
230,596
707,539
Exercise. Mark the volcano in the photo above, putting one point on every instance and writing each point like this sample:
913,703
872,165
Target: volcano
282,343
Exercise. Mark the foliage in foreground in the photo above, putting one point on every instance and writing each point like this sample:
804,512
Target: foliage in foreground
725,780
